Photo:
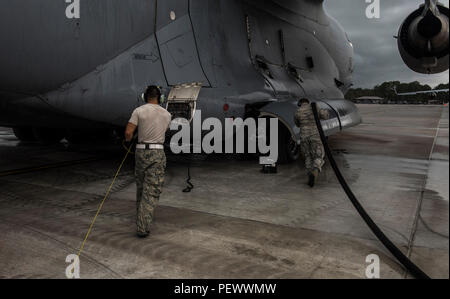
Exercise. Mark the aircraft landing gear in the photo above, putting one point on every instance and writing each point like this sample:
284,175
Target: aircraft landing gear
288,149
48,136
24,134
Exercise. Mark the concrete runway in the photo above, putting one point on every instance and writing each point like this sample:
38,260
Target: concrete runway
237,222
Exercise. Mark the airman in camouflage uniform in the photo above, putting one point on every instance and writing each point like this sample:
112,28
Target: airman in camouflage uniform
150,169
152,122
310,143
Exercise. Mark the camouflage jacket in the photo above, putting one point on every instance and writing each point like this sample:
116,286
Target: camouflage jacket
304,119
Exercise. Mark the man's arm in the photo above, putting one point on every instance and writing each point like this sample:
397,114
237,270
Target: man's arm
129,132
324,114
297,119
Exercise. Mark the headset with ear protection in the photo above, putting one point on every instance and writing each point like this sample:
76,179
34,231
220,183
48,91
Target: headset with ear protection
161,97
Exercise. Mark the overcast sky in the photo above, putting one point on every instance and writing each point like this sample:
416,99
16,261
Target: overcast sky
376,54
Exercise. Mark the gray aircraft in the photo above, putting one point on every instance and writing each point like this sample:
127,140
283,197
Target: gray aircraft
64,71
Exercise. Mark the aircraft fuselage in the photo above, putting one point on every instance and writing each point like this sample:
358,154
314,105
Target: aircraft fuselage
60,72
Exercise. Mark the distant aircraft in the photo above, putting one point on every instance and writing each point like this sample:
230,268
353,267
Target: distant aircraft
433,92
62,77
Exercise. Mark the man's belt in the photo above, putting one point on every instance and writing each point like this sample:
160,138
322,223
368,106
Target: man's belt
147,146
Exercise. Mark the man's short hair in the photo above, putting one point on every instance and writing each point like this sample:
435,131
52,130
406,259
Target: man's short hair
152,92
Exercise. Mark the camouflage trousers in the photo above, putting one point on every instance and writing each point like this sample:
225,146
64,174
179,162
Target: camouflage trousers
150,170
314,153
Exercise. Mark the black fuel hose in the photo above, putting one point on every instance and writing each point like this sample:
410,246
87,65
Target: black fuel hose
396,252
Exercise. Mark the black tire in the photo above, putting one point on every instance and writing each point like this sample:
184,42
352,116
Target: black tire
75,137
48,136
24,134
288,149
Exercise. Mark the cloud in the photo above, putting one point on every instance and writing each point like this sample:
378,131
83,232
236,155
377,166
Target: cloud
376,55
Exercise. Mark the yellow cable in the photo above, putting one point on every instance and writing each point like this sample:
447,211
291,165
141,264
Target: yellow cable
126,148
101,204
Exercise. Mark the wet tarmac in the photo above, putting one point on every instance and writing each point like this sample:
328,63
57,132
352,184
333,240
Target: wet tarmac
237,222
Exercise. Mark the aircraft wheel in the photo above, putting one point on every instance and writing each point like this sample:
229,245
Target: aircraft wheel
24,134
78,136
48,136
288,149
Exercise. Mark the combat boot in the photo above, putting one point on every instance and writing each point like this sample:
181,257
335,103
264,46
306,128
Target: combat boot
313,178
143,235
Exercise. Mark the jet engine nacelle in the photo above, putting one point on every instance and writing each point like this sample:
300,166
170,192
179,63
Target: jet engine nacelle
424,37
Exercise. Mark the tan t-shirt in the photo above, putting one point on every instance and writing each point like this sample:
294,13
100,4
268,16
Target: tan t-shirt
152,121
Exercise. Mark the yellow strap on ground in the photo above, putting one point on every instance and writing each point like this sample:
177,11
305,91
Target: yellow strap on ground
102,203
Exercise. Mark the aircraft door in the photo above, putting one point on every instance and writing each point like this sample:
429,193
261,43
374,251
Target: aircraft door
177,44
